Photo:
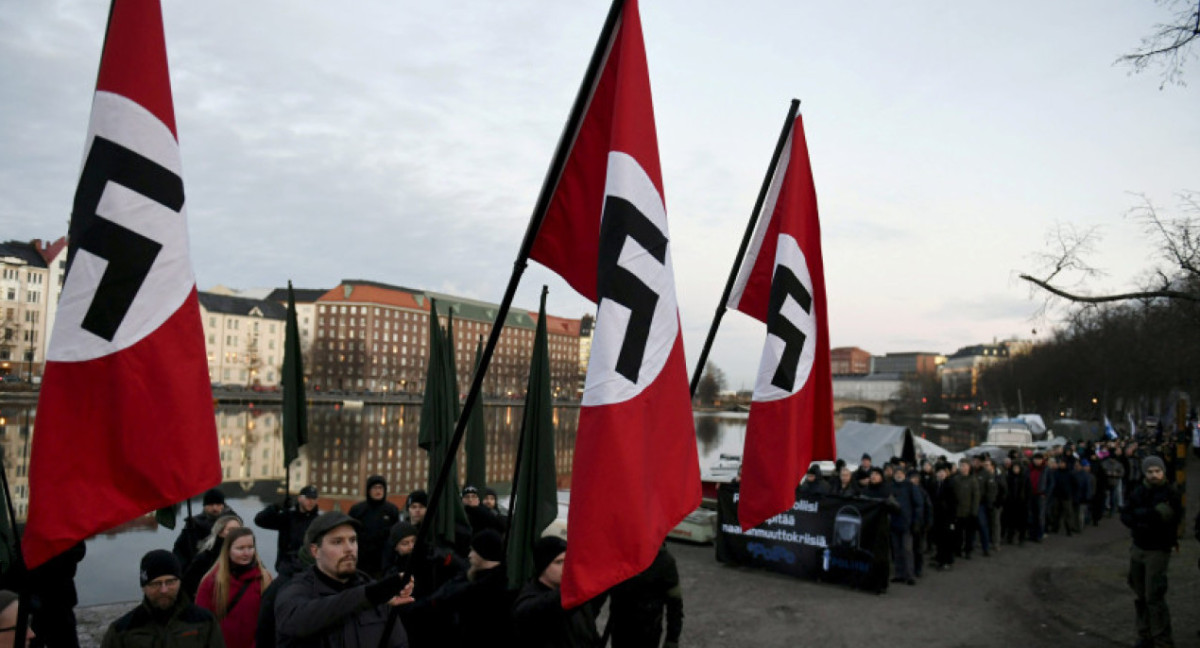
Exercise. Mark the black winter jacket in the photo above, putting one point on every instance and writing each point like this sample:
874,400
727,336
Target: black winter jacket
1153,514
314,611
291,524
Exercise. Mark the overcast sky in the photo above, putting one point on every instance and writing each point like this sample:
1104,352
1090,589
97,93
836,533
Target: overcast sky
405,142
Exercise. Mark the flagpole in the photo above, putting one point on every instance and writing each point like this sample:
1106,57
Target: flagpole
741,253
558,162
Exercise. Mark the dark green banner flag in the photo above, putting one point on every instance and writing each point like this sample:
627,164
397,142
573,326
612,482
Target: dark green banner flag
536,499
476,440
295,406
438,416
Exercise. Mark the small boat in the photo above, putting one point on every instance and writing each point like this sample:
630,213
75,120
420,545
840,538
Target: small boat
722,471
700,526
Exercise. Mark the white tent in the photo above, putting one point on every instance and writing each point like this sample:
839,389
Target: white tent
883,442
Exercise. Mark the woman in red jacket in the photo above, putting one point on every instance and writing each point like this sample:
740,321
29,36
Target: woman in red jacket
232,589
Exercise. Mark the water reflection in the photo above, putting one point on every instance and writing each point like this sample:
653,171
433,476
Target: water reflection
345,446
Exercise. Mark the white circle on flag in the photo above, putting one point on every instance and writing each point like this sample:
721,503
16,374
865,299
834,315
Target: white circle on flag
170,279
604,385
788,253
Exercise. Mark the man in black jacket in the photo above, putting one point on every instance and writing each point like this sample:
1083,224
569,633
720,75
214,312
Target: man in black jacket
538,616
332,604
377,516
636,610
1152,512
166,617
198,527
291,523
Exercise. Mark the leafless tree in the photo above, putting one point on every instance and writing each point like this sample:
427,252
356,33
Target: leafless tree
1174,276
1170,46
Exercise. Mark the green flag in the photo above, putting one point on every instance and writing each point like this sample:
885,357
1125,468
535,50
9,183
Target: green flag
295,406
536,503
167,516
437,426
476,443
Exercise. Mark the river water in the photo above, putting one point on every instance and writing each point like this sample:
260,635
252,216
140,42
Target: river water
345,446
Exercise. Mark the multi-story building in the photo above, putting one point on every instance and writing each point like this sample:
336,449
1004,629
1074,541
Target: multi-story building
908,363
31,279
306,311
850,361
243,338
374,337
960,373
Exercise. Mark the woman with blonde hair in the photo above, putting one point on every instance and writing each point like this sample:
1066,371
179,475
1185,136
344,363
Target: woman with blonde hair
232,589
208,551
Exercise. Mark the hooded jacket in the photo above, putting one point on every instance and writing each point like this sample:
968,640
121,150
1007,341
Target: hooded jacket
377,518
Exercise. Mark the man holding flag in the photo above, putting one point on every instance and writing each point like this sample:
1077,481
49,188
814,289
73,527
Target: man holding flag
124,421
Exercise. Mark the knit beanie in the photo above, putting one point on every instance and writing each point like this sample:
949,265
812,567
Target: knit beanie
159,562
490,546
545,550
418,496
214,496
1153,461
400,531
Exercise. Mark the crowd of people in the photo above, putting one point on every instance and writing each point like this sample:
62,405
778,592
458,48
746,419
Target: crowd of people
350,580
355,580
948,512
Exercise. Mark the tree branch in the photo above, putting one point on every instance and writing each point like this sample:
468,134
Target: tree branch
1101,299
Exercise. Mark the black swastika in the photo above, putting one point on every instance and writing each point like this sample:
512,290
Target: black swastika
129,254
784,285
622,220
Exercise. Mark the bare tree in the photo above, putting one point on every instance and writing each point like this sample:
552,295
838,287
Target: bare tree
1170,46
1174,276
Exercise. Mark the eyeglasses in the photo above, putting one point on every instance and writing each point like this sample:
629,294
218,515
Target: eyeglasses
163,584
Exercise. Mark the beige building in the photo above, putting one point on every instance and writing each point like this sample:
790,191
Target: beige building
31,279
244,340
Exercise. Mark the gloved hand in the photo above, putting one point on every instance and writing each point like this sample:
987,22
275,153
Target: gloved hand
383,590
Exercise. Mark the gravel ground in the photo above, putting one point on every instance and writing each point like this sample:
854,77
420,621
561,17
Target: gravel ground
1063,592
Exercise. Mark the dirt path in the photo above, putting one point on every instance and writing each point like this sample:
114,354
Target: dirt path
1067,592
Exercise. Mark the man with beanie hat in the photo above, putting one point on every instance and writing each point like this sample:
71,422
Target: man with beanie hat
477,604
333,604
376,515
863,474
291,523
812,485
539,619
198,527
1152,512
164,619
415,506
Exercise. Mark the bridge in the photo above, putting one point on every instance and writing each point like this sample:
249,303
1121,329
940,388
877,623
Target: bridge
866,411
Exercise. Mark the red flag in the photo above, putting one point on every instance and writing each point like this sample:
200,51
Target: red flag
125,420
605,232
782,283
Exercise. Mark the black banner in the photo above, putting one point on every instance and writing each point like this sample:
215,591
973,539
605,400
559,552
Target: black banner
823,537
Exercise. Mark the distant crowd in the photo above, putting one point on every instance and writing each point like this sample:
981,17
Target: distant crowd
942,513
